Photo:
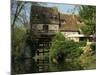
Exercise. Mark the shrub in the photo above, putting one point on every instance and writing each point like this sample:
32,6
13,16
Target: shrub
88,62
82,43
18,38
69,48
93,47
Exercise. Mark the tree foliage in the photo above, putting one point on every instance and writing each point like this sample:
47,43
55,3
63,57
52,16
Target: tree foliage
93,47
72,51
20,13
19,35
70,48
88,16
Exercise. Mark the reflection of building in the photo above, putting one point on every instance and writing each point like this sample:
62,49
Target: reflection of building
49,21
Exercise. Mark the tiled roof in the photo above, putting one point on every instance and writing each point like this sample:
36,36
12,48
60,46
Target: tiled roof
45,10
70,23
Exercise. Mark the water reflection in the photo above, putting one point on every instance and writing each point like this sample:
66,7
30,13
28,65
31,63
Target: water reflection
24,66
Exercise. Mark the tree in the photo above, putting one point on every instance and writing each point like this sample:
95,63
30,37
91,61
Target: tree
19,20
64,54
16,8
64,48
88,16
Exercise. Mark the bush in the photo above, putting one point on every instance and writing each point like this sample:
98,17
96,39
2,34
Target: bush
73,56
82,43
69,48
88,62
18,36
93,47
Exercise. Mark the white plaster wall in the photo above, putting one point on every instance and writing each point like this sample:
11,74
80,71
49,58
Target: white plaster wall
40,26
70,33
50,27
54,27
67,34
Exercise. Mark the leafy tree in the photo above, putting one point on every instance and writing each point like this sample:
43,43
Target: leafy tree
20,12
69,48
18,41
87,62
63,49
88,16
93,47
16,8
17,25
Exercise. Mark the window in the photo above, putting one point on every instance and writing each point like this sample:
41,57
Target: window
45,28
